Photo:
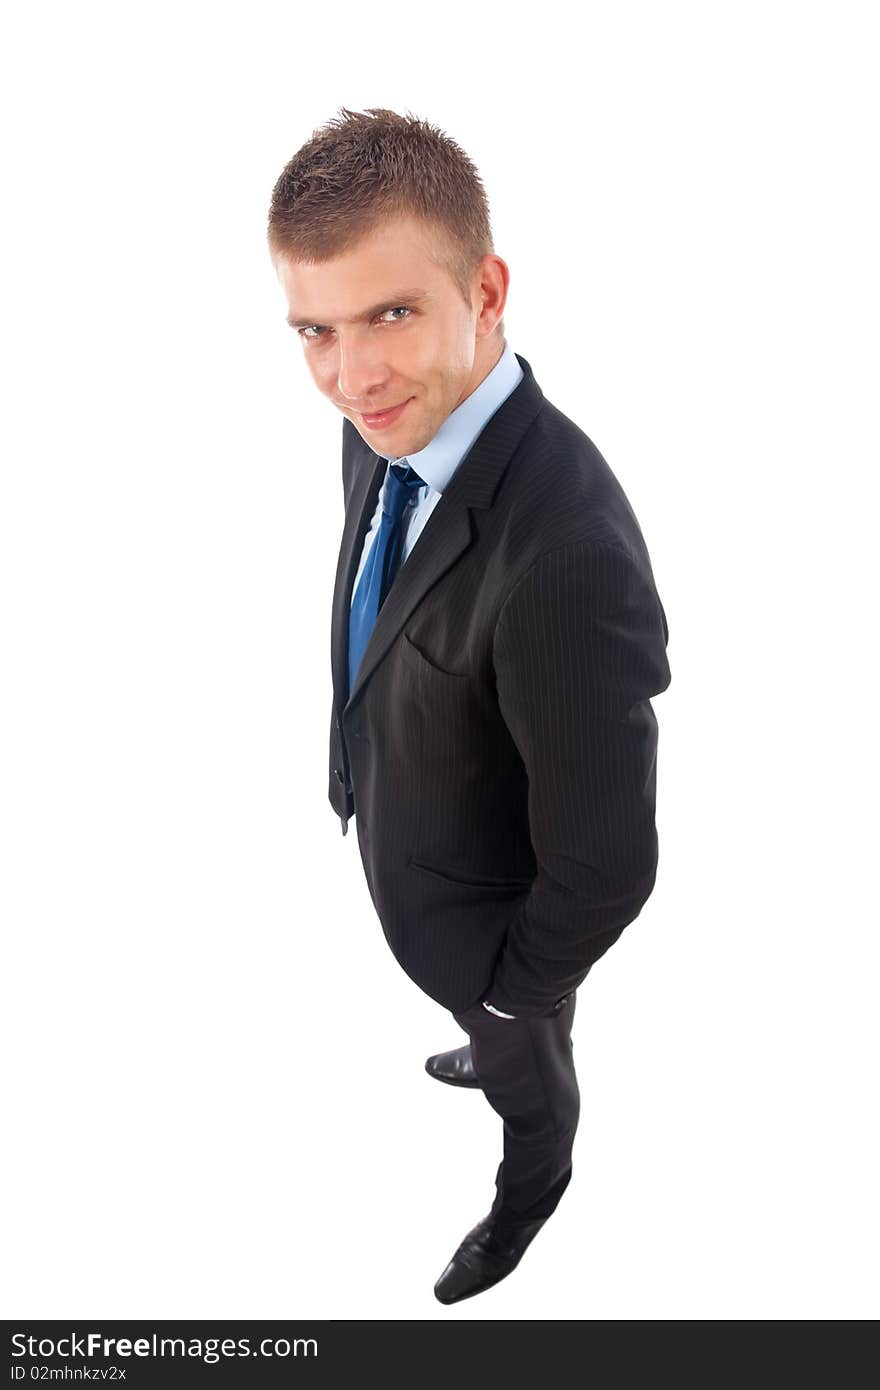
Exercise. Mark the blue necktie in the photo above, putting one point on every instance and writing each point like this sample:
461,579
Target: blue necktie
383,561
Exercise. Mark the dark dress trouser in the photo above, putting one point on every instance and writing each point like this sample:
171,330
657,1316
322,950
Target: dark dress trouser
526,1069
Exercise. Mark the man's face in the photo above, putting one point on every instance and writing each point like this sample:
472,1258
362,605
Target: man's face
384,325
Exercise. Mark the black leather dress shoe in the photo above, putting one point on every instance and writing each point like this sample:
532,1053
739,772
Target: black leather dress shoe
456,1068
483,1259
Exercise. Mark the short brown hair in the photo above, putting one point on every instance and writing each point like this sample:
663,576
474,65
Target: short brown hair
358,169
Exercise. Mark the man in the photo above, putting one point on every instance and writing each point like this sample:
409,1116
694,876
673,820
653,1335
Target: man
496,638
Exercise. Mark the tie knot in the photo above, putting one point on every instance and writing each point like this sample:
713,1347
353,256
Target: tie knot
406,473
401,486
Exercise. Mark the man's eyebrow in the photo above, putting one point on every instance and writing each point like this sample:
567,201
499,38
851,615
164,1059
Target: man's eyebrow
402,297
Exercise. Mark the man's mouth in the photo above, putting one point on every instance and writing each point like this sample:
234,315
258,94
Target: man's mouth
378,419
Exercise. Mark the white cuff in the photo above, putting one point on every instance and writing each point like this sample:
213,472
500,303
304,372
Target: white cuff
493,1010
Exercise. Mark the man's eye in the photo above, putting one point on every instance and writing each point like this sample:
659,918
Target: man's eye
316,330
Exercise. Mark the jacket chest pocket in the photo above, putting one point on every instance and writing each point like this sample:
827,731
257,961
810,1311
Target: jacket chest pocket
423,666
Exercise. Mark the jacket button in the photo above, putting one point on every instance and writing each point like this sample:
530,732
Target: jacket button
338,773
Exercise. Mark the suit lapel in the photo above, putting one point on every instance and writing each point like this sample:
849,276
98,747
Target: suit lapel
368,472
446,535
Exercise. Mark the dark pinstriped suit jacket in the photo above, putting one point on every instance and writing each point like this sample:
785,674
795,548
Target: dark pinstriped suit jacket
499,748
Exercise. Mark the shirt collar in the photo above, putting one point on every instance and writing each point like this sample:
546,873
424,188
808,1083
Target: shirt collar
439,459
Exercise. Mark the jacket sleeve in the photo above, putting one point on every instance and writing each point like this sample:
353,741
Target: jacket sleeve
579,649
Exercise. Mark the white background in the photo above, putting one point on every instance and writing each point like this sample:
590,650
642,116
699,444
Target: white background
213,1067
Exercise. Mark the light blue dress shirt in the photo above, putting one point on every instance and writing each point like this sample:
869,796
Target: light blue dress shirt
437,462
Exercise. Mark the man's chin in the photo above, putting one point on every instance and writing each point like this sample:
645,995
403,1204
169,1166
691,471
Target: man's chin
386,442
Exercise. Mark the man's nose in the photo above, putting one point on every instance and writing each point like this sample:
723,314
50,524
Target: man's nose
360,376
